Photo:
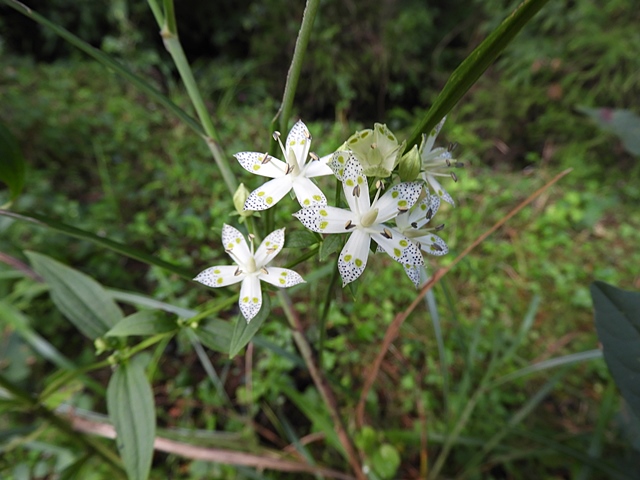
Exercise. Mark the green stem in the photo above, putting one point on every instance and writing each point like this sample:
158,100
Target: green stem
293,75
157,11
172,43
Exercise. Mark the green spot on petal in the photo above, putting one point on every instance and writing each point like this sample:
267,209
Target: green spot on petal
395,194
403,243
323,213
256,167
358,262
219,280
397,252
269,200
317,198
402,203
349,182
347,258
323,225
261,194
282,282
306,202
245,299
255,300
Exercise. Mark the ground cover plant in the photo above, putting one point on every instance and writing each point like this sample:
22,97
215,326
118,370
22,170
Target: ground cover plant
459,351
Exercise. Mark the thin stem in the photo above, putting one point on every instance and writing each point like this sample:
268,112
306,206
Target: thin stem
157,11
172,43
293,75
321,384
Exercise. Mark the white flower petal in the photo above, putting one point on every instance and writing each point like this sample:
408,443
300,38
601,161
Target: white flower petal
438,190
399,198
354,255
281,277
430,140
298,141
269,248
338,162
270,193
308,192
319,168
432,244
253,162
219,276
233,241
326,219
355,186
397,246
413,272
250,297
424,211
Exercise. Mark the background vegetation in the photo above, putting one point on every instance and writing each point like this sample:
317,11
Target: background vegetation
104,158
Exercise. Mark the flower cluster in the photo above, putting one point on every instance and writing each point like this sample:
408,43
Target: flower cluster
396,219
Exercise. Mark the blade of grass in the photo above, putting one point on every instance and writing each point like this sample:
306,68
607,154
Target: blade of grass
110,63
208,366
463,78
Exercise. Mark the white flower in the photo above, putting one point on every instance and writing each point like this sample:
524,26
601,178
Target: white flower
294,172
413,226
377,150
365,220
250,269
436,162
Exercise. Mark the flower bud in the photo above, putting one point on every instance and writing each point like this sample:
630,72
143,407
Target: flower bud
410,164
377,150
239,198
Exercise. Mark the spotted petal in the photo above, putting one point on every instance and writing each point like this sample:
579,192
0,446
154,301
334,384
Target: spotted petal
413,272
308,192
233,241
281,277
250,297
338,162
298,142
420,214
254,162
220,276
268,194
438,190
326,219
432,244
355,186
399,198
354,255
399,247
269,248
318,168
428,142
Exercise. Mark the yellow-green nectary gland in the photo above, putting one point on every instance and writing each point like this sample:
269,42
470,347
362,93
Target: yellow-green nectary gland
251,265
369,218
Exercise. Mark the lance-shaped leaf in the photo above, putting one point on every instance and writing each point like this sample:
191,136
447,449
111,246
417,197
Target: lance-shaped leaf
144,322
12,166
132,411
617,316
80,298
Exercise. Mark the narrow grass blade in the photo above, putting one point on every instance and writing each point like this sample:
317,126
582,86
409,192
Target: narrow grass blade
474,65
108,62
42,221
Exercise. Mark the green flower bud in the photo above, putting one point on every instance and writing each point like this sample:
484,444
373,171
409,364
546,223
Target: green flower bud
377,150
239,198
410,165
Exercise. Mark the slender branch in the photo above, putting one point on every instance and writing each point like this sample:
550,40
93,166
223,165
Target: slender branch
321,384
394,328
293,75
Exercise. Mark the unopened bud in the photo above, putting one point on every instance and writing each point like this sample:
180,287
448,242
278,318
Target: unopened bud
410,165
239,198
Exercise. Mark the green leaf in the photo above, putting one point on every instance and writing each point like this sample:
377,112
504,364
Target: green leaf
132,411
216,334
300,239
145,322
121,248
474,65
617,317
331,244
244,332
386,461
80,298
624,123
12,165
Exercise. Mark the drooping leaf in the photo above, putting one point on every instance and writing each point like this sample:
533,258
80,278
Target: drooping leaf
80,298
243,332
331,244
43,221
144,322
12,165
617,317
623,123
215,334
474,65
131,409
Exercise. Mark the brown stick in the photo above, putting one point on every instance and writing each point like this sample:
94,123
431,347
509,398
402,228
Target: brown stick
218,455
394,328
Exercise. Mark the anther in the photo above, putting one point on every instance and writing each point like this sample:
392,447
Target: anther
237,272
403,209
386,233
307,134
349,225
459,165
266,159
374,145
414,224
264,270
436,247
356,191
454,176
314,156
289,168
379,184
429,214
440,227
276,135
452,146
